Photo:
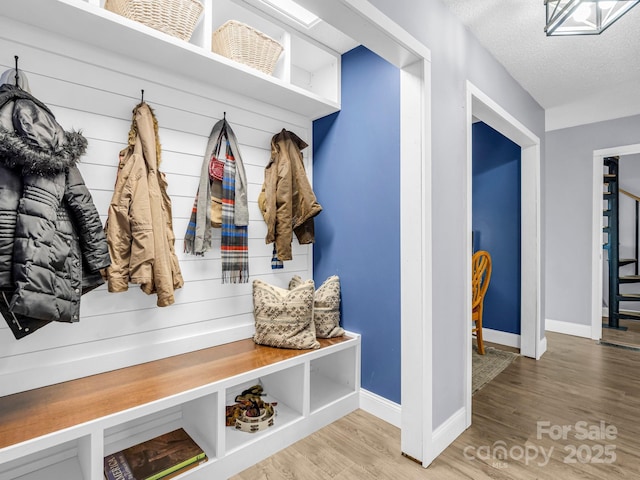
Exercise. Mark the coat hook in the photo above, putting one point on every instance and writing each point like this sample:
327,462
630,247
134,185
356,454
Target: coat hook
16,78
142,96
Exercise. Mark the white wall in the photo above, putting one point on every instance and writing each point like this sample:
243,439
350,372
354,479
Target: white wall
94,91
456,57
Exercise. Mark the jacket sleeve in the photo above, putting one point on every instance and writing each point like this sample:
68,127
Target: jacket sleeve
284,209
86,219
129,232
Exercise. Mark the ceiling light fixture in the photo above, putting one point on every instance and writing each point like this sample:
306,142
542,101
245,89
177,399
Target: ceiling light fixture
295,12
583,17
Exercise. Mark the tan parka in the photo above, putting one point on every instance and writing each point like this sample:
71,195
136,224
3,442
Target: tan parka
139,224
287,201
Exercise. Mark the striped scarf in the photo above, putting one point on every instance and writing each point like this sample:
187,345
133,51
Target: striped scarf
235,239
234,248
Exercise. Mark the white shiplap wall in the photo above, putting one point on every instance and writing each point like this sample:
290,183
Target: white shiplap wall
94,91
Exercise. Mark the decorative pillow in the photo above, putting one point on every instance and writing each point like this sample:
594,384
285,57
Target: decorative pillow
326,307
284,318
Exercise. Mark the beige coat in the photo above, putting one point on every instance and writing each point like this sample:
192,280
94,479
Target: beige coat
287,201
139,224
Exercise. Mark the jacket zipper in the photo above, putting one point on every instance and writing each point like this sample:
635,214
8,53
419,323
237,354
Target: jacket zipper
15,320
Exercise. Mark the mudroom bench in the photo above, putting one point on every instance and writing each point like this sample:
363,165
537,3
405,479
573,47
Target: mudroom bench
65,430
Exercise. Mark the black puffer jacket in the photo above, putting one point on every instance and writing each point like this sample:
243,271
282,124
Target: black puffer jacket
50,230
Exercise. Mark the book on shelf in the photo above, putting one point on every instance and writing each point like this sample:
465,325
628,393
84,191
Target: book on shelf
162,457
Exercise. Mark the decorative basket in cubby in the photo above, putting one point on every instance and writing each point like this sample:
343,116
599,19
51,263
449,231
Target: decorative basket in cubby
174,17
245,44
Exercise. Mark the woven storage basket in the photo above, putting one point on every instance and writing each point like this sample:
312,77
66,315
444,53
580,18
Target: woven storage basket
255,424
174,17
245,44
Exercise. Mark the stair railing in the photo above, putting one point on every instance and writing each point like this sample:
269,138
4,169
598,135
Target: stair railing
637,231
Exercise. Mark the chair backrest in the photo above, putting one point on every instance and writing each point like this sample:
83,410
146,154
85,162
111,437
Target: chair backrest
480,277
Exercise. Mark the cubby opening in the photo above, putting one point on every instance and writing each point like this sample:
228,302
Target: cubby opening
286,387
65,460
332,378
198,417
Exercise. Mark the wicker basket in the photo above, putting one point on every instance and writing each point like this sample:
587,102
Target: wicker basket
245,44
174,17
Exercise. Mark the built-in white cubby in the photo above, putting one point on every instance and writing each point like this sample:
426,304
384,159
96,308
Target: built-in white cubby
332,378
312,388
64,460
306,79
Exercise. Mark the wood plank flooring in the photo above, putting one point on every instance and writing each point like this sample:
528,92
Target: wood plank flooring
577,380
629,337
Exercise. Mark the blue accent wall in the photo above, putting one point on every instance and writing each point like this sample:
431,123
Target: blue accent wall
356,177
496,223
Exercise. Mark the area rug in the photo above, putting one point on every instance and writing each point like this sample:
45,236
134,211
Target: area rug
486,367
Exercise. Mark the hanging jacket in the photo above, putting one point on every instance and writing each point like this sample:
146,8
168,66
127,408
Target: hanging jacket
287,201
52,245
139,223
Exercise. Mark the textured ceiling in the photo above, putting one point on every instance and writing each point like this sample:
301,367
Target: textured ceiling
554,70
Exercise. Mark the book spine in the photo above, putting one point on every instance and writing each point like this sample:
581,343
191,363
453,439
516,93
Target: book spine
117,468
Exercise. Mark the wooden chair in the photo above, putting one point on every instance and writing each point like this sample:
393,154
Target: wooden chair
481,275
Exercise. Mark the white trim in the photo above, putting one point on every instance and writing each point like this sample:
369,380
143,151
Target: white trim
568,328
452,428
415,258
530,272
501,338
369,26
380,407
597,239
542,346
480,106
613,151
468,253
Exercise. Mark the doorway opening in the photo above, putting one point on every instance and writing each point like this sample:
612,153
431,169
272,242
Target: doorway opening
531,343
496,229
627,184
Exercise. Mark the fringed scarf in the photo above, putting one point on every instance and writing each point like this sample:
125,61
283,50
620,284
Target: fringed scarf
234,248
235,240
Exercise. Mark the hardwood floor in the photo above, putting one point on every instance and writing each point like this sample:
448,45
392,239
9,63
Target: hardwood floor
577,383
629,337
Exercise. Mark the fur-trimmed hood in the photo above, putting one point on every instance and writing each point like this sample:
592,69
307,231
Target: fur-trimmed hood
30,138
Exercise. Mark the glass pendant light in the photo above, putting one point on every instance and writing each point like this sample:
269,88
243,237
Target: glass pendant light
583,17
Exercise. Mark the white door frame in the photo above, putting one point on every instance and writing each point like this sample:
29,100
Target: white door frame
596,232
416,262
370,27
482,107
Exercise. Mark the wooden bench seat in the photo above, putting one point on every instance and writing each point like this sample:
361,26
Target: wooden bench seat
28,415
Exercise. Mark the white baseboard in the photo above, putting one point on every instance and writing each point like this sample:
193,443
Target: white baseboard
380,407
568,328
445,434
501,338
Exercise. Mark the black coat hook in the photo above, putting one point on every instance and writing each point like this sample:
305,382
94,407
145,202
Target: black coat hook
16,78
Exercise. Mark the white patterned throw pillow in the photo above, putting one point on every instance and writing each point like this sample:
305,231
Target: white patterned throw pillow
284,318
326,307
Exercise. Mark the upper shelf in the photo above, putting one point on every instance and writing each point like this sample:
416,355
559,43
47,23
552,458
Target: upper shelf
89,23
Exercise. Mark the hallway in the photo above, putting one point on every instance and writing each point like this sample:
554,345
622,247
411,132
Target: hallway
547,415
